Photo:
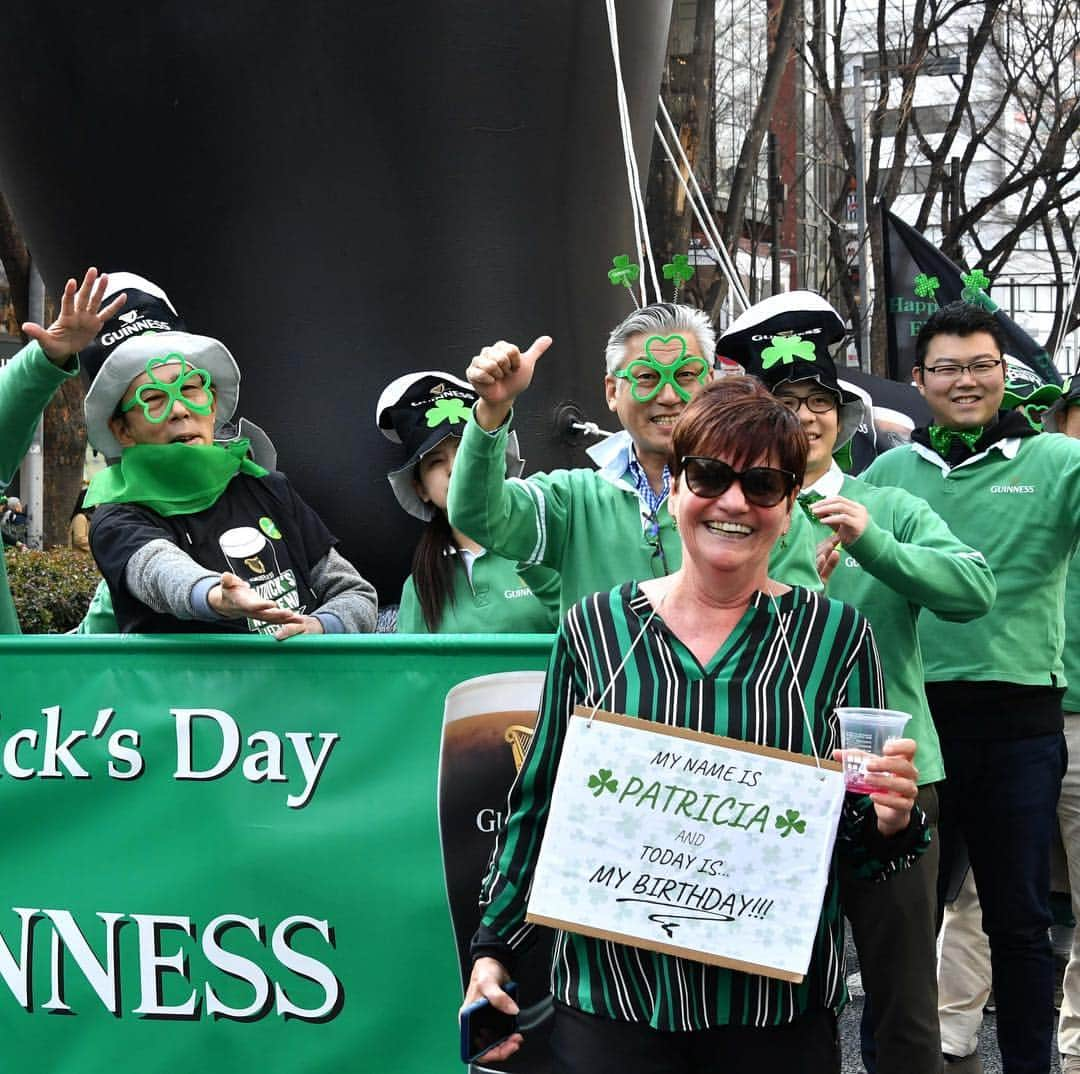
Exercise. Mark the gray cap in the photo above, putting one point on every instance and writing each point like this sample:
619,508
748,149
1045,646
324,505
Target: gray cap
129,359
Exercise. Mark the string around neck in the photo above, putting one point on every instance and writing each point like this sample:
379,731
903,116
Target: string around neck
787,649
798,685
629,652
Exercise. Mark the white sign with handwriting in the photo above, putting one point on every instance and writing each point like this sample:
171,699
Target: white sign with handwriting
691,844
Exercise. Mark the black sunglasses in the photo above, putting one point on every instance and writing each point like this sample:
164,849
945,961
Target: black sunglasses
763,486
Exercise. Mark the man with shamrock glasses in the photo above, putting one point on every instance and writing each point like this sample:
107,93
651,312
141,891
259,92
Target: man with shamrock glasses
156,397
995,686
665,362
894,559
596,528
28,382
191,535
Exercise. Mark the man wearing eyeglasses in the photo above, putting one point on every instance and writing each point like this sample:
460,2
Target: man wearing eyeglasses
596,528
892,558
995,685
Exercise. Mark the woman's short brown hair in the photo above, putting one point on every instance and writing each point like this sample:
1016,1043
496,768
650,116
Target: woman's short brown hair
743,423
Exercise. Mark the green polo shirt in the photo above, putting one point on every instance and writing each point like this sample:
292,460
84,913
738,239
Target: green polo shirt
906,561
1018,502
495,600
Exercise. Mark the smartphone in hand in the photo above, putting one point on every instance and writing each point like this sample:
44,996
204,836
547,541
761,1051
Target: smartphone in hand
483,1026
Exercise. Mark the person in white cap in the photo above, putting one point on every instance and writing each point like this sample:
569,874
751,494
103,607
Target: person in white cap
456,587
146,308
894,560
191,535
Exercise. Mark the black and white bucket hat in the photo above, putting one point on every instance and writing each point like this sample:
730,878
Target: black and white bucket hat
419,411
147,309
787,338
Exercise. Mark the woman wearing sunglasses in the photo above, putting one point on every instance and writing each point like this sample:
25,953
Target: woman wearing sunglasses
720,647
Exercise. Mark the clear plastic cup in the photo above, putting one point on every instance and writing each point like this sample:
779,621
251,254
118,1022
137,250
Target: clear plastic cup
863,734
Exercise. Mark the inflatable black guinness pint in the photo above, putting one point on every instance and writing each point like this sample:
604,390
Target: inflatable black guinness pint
342,193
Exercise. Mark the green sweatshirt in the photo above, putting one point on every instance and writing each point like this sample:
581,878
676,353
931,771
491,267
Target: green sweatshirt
498,601
27,383
588,525
1071,655
906,560
1018,502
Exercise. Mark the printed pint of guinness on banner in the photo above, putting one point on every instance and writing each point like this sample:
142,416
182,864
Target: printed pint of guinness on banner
487,728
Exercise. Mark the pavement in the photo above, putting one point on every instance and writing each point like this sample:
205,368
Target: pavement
849,1029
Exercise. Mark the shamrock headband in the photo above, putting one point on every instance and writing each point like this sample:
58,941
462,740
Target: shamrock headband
975,285
191,386
625,273
788,338
648,375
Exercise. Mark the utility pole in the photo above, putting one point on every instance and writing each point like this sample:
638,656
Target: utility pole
860,220
32,471
776,198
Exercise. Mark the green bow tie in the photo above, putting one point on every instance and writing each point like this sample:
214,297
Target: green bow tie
942,439
806,501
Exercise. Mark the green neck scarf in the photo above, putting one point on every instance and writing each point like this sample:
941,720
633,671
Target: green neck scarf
941,438
172,479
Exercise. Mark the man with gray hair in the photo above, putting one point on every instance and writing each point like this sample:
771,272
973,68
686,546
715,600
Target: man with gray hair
596,528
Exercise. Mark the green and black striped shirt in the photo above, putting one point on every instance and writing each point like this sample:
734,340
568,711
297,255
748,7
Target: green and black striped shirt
747,691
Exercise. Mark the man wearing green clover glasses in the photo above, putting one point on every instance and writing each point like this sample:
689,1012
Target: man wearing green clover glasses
192,535
596,528
148,415
663,374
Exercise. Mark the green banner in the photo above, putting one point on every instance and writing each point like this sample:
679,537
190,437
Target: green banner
222,854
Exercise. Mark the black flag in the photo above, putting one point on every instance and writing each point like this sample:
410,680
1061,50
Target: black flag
918,279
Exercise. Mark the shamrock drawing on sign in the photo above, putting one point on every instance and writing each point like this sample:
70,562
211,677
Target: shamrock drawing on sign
789,823
448,410
603,781
926,286
786,349
680,270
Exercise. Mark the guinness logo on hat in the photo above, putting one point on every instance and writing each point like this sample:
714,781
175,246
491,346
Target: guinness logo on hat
148,309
